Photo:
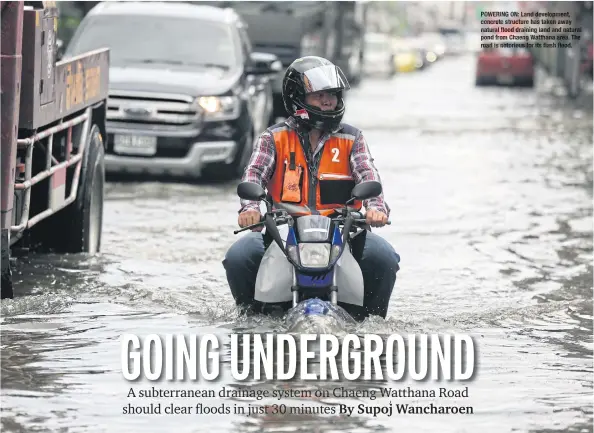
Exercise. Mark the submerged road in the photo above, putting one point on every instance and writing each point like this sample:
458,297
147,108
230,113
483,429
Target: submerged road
491,198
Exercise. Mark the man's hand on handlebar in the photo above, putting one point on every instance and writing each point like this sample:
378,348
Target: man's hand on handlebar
250,217
376,218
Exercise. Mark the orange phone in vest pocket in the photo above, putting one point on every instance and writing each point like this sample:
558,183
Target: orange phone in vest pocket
292,183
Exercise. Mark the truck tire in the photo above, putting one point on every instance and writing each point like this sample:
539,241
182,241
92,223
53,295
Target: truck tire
77,228
528,82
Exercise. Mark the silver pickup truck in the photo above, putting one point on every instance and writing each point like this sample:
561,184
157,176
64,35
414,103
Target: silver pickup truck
187,94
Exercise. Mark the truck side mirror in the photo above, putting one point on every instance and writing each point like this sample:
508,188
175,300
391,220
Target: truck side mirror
59,49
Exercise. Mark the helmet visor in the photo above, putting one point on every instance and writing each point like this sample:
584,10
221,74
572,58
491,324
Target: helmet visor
327,77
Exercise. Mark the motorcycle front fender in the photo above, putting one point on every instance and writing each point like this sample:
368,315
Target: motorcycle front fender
275,276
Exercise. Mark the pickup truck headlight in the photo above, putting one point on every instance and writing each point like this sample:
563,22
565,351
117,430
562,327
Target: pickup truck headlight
219,107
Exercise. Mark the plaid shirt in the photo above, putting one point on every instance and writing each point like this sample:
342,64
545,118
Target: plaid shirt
263,161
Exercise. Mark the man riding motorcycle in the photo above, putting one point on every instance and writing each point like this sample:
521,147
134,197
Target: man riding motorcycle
309,164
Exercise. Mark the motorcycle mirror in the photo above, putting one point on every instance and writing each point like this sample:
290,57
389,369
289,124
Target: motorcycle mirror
365,190
251,191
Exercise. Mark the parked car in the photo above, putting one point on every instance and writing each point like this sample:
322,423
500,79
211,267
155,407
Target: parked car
293,29
454,39
406,57
187,95
435,44
423,56
473,41
505,66
379,57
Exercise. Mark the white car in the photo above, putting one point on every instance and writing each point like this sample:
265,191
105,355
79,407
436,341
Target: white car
434,43
378,57
473,42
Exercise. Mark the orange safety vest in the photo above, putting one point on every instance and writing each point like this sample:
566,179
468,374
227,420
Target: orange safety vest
292,188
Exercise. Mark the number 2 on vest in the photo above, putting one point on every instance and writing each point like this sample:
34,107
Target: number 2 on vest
336,152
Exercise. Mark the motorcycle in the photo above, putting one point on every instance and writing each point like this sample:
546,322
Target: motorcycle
310,261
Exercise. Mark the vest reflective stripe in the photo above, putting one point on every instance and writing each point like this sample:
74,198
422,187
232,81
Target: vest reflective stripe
333,183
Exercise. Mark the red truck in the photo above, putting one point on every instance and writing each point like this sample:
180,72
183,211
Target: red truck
53,138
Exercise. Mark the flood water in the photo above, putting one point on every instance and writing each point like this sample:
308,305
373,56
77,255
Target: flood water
491,198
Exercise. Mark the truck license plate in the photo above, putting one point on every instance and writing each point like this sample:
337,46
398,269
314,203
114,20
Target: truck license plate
505,79
135,145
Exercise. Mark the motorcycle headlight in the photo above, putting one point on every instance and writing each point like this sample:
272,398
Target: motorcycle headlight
314,255
219,107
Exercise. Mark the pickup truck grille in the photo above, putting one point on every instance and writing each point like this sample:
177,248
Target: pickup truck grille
153,109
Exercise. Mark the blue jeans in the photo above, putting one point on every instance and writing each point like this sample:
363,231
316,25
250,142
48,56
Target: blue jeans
378,261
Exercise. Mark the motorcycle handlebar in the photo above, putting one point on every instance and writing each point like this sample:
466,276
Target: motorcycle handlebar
363,220
358,217
247,228
279,221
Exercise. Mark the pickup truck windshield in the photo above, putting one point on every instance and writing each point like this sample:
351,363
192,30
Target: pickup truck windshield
136,39
289,8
